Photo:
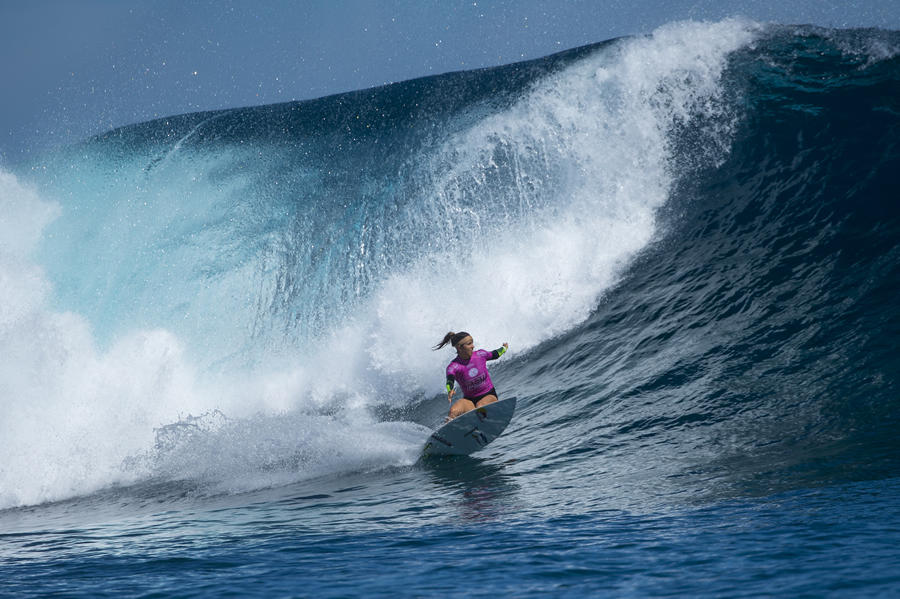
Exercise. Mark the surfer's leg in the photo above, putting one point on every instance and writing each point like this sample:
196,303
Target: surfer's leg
459,408
486,400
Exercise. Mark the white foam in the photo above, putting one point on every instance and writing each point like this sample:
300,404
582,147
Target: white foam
70,415
76,419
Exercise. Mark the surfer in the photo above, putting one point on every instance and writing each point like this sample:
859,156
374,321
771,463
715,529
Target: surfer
469,368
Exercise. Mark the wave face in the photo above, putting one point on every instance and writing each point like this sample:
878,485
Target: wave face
690,242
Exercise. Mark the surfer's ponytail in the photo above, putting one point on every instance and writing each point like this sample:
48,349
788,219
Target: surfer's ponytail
452,339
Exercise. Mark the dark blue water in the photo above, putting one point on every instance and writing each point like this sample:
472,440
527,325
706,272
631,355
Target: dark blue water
215,332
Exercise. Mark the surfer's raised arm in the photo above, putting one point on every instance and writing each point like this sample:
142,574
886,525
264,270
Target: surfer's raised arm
469,369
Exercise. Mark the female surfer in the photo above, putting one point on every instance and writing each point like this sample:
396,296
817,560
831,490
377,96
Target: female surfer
469,368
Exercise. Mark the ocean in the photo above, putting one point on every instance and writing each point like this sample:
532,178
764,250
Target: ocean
216,374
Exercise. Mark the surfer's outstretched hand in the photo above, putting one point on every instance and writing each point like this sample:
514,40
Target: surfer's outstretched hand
450,396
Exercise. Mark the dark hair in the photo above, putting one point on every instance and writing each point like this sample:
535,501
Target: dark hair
451,338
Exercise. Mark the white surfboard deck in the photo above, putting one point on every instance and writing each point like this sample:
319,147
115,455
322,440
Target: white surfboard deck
472,431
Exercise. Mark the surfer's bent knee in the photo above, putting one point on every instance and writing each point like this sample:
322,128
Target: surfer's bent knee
461,407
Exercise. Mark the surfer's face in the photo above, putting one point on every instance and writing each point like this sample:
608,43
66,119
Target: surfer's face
465,347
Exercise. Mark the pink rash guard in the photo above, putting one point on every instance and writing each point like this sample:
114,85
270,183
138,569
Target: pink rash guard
472,374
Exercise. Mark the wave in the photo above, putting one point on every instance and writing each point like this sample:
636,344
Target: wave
649,222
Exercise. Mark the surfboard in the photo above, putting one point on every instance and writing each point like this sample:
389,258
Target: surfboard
472,431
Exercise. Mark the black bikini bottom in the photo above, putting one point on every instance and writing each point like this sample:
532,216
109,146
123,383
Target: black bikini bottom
478,398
